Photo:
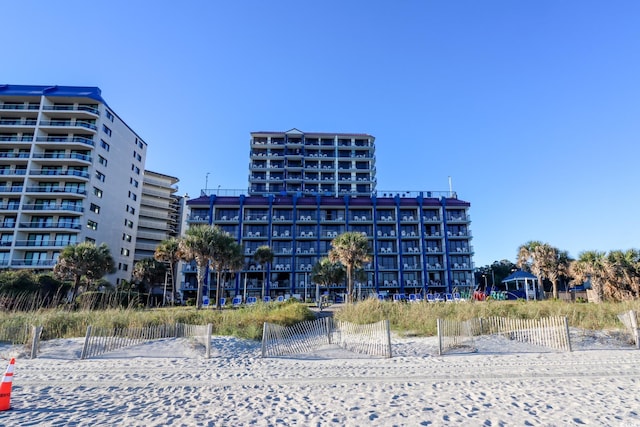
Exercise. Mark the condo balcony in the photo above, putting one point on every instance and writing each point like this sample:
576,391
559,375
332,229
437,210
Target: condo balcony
41,243
56,156
18,122
69,225
33,262
14,155
12,106
56,189
90,110
16,138
66,139
49,207
67,123
8,172
60,172
11,189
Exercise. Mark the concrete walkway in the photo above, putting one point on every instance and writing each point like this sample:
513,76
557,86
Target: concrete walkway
326,311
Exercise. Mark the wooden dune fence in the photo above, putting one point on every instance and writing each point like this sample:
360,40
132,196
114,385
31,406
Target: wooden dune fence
29,336
630,321
307,337
552,332
103,340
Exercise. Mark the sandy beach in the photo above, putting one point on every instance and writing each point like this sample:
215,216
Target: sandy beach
170,383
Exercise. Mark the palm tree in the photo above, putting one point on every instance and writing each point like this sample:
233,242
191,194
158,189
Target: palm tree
198,245
169,251
624,269
264,255
528,260
83,260
327,273
148,271
591,265
225,255
352,250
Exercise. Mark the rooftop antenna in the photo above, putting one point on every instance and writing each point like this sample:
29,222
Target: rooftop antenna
450,188
206,182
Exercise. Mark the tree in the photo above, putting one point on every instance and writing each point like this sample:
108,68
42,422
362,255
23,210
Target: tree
527,259
169,251
264,255
83,260
554,264
624,272
327,273
148,272
225,255
198,245
591,265
352,250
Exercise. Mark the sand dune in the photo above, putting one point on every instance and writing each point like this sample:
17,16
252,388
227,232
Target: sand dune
169,382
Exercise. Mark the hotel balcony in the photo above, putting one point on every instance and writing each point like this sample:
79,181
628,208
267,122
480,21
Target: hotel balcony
458,219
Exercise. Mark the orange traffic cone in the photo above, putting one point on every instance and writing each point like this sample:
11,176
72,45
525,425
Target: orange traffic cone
5,388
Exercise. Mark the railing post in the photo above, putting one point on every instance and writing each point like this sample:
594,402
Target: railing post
439,337
634,327
566,328
208,343
387,325
35,341
264,338
85,348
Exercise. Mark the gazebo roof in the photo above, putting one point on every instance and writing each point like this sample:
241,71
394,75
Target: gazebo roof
519,275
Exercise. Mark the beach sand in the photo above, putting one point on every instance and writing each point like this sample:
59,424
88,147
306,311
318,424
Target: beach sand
170,383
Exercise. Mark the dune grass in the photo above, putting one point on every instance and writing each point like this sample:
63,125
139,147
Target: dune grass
245,322
420,318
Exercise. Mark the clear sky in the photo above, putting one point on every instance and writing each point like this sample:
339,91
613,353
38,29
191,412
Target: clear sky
532,107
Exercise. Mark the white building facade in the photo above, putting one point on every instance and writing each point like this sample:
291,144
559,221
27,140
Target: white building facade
70,171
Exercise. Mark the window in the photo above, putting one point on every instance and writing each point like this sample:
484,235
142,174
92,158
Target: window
106,130
102,160
92,225
104,145
124,251
94,208
137,156
135,169
128,223
139,143
131,210
126,237
133,196
109,115
134,182
100,176
97,192
123,267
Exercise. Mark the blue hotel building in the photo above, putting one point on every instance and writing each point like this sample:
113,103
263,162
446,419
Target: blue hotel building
307,188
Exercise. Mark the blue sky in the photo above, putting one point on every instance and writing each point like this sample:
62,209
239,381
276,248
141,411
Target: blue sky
532,107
